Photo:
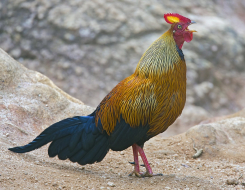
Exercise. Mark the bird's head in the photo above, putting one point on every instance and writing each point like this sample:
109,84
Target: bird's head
179,27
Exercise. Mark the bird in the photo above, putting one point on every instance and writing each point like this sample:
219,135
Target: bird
138,108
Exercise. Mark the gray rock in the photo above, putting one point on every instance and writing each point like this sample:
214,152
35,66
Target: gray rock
223,139
30,101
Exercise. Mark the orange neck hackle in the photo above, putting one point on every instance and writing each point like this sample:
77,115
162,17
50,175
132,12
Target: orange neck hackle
155,62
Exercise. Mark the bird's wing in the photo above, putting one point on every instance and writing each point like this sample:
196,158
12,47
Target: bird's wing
133,100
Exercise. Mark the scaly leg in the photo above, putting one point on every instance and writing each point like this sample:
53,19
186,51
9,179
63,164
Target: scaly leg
148,172
136,171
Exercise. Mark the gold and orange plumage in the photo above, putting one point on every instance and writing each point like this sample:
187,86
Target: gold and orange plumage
155,94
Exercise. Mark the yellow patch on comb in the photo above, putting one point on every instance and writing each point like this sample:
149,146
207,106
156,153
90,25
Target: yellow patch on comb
173,19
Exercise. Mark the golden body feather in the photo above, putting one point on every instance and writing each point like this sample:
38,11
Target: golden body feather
155,94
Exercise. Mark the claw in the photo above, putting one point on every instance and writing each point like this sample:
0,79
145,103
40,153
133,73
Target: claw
158,174
143,165
147,174
142,175
137,174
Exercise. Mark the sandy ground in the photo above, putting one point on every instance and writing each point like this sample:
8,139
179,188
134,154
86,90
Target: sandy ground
35,170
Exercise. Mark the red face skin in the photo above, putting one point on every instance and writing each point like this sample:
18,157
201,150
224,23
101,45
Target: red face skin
181,33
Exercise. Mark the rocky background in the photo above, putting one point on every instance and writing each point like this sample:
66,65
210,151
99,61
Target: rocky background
30,101
87,47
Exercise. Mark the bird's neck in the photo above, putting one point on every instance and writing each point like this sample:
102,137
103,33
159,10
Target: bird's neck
162,57
179,40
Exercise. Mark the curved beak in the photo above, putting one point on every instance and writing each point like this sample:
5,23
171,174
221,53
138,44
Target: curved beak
192,22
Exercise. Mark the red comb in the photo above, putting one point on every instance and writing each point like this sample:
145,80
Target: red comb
175,17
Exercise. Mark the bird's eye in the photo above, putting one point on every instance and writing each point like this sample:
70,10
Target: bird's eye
179,26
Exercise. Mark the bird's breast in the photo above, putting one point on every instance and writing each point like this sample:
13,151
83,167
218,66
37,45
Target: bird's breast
170,93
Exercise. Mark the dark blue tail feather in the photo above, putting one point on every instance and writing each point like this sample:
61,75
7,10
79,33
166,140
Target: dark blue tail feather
79,140
75,138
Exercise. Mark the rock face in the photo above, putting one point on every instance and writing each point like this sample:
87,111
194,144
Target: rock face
220,138
223,140
216,119
87,47
29,101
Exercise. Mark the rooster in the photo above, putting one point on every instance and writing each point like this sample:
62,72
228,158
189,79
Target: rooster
137,109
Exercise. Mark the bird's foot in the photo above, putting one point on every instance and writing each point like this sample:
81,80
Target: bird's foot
137,174
146,174
137,149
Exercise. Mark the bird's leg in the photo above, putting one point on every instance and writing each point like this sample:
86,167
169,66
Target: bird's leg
148,172
136,171
136,162
136,159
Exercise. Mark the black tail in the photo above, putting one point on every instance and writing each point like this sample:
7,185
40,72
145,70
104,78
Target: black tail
75,138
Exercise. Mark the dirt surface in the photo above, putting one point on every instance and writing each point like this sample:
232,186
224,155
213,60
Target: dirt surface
35,170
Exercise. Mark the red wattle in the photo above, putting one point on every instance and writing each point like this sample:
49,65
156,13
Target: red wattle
188,36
